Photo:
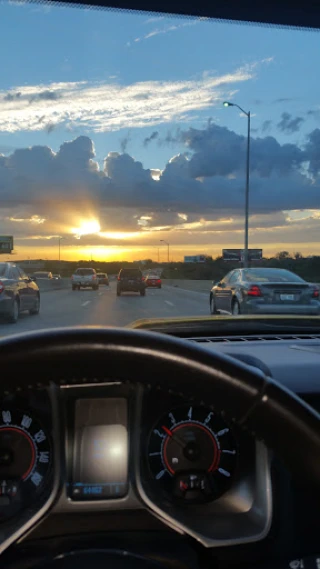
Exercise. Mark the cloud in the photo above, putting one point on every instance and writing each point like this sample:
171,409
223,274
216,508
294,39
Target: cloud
167,29
313,151
284,100
103,106
149,139
124,142
266,125
22,95
218,151
46,95
288,125
33,219
154,20
200,191
12,96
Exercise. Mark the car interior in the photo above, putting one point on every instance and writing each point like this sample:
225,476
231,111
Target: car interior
173,444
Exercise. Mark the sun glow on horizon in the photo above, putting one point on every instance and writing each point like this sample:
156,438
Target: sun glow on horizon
87,227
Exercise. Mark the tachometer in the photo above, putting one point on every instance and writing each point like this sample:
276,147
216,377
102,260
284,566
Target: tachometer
192,454
25,457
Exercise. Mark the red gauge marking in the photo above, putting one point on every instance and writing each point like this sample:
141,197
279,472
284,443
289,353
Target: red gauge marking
166,430
216,454
33,453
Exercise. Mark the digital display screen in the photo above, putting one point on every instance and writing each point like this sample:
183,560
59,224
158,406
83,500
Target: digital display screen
100,460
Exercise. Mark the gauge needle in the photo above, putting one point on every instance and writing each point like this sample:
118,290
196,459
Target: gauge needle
166,430
174,437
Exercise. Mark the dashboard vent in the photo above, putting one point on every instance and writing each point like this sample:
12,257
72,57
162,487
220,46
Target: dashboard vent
272,338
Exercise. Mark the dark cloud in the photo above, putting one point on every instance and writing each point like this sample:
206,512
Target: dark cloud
124,143
266,125
12,96
207,178
313,151
46,95
218,151
313,113
50,127
283,100
149,139
288,125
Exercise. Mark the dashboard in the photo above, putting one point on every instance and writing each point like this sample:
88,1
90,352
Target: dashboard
112,446
87,448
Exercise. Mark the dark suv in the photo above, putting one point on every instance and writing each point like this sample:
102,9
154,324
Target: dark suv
131,280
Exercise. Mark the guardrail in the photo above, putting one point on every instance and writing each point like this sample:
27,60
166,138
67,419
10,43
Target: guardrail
199,286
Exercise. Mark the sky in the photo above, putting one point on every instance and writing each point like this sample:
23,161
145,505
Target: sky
114,137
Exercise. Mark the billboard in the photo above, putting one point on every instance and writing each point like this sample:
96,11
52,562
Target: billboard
237,255
6,244
195,259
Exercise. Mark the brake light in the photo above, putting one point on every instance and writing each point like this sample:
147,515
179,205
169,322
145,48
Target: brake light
315,293
1,287
118,279
94,276
254,290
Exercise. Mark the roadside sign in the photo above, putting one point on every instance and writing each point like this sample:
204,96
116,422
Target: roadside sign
195,259
6,244
237,255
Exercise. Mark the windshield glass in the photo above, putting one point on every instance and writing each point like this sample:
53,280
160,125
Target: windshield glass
40,275
3,269
166,149
84,272
271,275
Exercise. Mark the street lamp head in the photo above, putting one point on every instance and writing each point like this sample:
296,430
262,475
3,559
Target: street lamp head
227,104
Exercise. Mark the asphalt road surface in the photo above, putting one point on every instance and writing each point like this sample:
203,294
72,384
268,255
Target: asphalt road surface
103,308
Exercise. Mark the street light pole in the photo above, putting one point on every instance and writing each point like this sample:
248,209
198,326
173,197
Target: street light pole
246,223
168,245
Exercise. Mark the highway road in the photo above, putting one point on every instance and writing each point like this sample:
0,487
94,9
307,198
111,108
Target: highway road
103,308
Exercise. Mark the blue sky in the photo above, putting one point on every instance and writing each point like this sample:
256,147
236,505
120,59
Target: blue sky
118,78
48,45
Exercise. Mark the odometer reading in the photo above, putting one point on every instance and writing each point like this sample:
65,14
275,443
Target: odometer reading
25,458
192,454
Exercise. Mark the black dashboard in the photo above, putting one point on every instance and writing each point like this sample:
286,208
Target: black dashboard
101,456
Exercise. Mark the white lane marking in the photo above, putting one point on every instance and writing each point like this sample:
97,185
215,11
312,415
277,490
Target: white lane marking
86,302
168,302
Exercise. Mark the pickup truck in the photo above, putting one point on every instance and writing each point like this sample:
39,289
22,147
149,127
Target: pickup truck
86,278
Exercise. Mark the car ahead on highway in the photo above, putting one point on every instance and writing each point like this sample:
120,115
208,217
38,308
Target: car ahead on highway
153,281
103,279
56,277
18,292
85,278
264,291
42,275
131,280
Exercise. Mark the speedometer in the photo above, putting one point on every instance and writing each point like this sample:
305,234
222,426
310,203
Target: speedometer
192,454
25,457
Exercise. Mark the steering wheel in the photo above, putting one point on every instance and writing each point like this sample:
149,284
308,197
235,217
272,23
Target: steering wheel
244,394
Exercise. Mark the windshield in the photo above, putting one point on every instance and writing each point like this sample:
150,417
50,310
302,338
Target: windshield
3,269
84,272
42,275
271,276
172,152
